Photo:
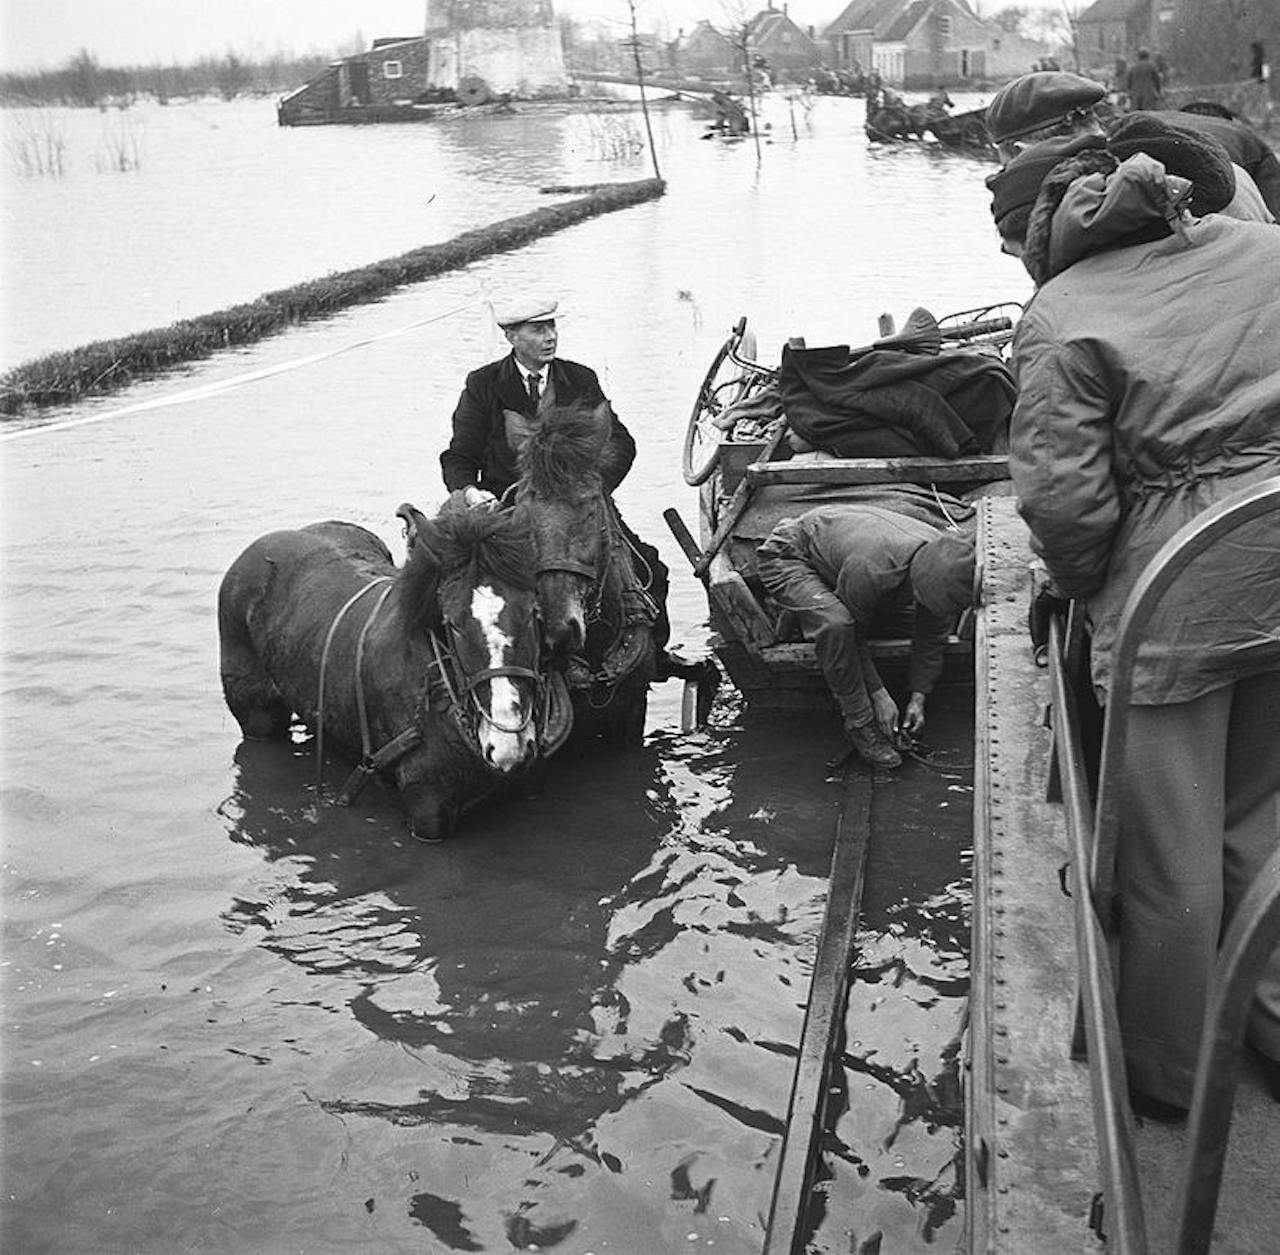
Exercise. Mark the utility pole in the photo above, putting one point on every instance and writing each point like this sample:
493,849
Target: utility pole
644,104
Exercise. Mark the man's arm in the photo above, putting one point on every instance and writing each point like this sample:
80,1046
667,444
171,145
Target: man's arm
928,645
619,454
463,461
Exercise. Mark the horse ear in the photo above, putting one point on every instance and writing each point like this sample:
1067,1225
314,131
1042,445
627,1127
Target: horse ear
422,570
412,518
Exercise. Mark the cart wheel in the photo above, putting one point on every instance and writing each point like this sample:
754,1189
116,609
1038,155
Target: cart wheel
721,386
472,90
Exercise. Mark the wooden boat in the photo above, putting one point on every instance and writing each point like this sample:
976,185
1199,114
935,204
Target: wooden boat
748,479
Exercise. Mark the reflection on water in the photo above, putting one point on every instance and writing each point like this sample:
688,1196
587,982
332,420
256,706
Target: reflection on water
242,1019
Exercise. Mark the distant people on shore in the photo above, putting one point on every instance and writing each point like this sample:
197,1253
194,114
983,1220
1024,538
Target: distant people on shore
1144,84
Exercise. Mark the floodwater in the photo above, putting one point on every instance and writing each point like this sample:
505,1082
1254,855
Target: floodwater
241,1020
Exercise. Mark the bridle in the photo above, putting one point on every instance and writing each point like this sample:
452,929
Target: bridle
613,553
452,690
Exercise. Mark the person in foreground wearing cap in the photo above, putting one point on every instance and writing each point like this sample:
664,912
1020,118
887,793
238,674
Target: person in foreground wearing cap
1058,104
1149,390
842,570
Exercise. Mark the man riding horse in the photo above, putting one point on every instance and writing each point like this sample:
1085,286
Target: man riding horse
501,404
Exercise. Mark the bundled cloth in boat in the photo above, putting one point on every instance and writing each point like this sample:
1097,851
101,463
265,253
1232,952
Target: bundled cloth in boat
890,403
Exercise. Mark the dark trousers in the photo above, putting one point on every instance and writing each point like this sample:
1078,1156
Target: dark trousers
1200,815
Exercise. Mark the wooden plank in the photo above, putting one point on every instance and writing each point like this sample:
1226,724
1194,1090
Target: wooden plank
786,1229
987,468
744,619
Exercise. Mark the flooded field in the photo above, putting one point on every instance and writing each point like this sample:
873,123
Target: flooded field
239,1019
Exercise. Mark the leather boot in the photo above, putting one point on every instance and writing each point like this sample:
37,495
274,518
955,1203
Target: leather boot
871,745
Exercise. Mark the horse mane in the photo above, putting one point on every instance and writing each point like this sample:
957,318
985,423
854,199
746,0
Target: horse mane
470,543
562,455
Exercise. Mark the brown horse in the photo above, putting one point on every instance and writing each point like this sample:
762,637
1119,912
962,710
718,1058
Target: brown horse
427,674
593,585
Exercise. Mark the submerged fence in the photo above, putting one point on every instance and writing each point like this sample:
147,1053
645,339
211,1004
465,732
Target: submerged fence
107,365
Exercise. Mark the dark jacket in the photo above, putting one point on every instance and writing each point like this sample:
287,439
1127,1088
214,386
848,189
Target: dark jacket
481,454
1143,85
1149,389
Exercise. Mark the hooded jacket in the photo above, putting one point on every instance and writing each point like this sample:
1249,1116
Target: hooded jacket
1149,389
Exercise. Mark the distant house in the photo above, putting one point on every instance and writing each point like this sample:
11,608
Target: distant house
925,44
391,74
789,52
1110,32
706,52
715,52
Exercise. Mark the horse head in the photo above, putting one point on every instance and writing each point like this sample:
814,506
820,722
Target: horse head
561,490
468,584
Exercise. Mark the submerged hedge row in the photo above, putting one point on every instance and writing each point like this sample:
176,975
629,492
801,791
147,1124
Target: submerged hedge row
106,365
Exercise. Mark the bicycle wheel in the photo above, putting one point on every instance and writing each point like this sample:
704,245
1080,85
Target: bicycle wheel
724,383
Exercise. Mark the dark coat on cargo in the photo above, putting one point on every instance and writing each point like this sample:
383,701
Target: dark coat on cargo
890,403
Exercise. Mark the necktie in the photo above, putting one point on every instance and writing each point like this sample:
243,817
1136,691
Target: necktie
533,391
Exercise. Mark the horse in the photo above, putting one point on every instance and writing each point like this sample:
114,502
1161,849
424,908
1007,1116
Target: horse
427,674
896,119
597,614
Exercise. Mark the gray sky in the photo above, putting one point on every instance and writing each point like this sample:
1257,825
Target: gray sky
47,33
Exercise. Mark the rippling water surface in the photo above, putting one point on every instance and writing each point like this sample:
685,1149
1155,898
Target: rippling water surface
241,1020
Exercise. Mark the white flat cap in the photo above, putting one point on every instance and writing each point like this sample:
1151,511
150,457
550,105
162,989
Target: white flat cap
520,309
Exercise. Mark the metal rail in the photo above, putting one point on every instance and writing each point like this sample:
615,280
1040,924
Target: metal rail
786,1234
1093,835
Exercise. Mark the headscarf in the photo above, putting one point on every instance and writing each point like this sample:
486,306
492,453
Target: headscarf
1018,184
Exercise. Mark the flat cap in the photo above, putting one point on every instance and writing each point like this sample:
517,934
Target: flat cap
536,308
1037,100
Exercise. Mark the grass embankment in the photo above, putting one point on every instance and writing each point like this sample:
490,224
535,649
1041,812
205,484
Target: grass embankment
107,365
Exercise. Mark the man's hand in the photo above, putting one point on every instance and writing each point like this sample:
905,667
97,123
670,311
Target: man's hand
886,712
478,498
913,719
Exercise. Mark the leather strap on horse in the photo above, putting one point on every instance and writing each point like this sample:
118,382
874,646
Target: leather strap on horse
370,761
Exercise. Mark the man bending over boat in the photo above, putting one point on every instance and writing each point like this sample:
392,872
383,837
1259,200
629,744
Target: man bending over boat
843,570
500,404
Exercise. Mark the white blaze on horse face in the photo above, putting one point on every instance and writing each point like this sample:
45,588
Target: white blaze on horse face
506,736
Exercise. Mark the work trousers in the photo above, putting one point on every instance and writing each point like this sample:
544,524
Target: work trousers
823,619
1200,816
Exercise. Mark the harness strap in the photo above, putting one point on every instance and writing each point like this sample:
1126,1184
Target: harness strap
373,763
360,702
324,665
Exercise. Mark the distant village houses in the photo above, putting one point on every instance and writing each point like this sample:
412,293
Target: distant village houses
923,44
474,51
